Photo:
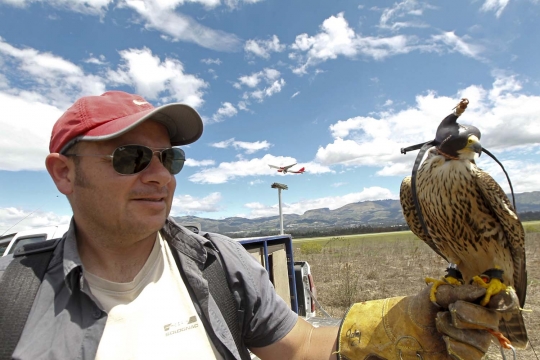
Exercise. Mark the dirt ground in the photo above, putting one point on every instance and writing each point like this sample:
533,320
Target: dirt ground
353,269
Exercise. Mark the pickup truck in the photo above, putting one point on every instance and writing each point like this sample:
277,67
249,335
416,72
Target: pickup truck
292,279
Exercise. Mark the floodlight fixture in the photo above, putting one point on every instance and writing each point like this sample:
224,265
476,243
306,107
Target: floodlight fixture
280,187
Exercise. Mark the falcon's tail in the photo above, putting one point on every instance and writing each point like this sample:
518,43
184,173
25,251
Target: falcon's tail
514,329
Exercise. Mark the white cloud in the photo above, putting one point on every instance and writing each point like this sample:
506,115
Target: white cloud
249,80
96,60
227,171
251,147
223,144
523,174
248,147
497,6
338,39
51,85
213,72
271,74
255,182
211,61
263,48
51,79
243,105
92,7
197,163
226,110
190,205
233,4
155,79
458,44
14,219
338,184
4,82
23,119
506,118
331,202
295,94
162,16
395,169
271,77
275,87
400,10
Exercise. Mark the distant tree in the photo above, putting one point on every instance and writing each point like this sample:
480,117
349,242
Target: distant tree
308,232
529,216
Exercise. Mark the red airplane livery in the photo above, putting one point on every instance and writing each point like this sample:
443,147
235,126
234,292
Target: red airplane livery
285,169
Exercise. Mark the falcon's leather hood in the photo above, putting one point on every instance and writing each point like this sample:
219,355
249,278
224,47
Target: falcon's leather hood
452,136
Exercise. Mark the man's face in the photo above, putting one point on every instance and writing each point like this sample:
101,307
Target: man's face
133,206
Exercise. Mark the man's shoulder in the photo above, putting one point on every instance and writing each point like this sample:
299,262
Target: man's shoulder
177,232
225,244
220,239
193,244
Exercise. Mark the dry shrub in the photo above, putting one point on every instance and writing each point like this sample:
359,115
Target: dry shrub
309,248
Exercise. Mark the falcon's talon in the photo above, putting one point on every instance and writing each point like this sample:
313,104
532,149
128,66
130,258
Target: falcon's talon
447,280
493,286
453,281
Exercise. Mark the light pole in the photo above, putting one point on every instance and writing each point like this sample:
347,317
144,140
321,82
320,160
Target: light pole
280,187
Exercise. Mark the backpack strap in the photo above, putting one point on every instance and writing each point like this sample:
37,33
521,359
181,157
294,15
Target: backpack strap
18,288
218,286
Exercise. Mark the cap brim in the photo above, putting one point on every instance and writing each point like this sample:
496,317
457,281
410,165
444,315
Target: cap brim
183,123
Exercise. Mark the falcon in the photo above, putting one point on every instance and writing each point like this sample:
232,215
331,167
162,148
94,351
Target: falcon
462,213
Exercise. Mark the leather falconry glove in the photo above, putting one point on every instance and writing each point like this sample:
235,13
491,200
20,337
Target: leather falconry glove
413,327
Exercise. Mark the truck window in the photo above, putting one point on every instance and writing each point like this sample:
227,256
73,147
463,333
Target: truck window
27,240
4,242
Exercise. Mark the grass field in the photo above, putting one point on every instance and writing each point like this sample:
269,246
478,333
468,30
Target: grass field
353,268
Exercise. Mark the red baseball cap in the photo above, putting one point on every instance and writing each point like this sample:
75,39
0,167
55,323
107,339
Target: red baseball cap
97,118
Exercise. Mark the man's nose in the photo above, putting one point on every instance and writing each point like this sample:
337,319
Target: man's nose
156,171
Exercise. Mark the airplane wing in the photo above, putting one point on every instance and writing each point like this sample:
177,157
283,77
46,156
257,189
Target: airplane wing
274,166
288,166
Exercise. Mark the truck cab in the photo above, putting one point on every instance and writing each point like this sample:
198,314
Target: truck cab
11,242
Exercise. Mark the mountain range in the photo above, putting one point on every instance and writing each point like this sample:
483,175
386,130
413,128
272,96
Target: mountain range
379,213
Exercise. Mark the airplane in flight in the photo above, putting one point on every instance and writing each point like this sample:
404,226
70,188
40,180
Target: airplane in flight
285,169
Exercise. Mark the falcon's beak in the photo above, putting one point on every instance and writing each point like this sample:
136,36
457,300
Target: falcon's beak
477,148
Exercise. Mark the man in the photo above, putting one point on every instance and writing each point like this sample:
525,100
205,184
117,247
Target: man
126,281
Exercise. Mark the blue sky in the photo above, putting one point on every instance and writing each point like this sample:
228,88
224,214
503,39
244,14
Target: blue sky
336,86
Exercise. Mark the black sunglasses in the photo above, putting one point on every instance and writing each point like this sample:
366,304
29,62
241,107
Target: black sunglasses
132,159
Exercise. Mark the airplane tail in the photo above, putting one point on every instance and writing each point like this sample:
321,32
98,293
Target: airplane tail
301,171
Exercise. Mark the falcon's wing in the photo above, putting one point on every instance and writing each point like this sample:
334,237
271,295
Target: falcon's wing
411,216
505,213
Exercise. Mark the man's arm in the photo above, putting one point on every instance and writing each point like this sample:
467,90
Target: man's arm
304,341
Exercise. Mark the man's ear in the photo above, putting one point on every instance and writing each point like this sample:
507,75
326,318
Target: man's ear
62,172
